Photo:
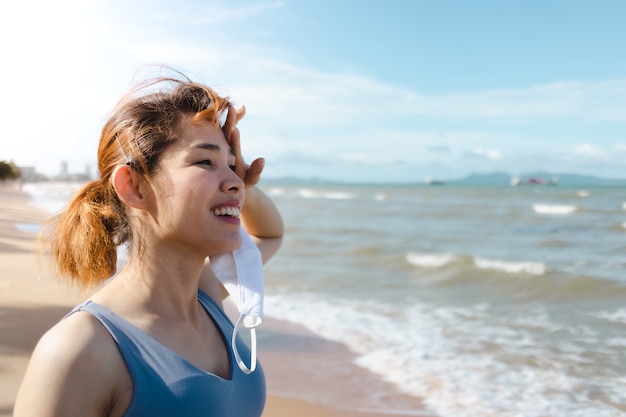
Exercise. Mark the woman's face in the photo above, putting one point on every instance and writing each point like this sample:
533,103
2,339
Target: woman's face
198,195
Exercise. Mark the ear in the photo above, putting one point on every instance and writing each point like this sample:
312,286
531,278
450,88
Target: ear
131,187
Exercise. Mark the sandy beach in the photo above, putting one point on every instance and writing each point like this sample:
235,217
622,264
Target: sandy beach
31,301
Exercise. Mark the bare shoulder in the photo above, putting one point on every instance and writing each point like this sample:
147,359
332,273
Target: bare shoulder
75,369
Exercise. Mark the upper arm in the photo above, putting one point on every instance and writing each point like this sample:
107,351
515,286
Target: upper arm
263,222
73,371
268,246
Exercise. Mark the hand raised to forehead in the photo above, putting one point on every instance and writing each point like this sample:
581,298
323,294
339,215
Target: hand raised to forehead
250,174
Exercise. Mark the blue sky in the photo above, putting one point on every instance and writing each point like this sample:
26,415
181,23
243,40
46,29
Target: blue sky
345,90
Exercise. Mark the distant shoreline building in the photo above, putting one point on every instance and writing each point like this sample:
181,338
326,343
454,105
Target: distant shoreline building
30,174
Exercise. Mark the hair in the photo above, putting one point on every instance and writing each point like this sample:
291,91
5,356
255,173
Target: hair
83,238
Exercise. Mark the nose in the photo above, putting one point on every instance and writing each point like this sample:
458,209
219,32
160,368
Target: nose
232,182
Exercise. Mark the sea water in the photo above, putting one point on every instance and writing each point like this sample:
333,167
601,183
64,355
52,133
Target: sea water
483,301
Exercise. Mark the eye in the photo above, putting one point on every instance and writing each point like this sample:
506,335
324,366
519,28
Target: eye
205,162
233,167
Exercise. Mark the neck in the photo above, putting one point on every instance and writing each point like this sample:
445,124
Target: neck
162,282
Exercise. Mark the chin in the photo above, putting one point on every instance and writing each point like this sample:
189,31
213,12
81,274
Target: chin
229,245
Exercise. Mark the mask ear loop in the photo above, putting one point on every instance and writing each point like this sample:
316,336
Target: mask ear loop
233,343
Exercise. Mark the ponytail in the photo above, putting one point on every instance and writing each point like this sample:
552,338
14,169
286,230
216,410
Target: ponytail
83,238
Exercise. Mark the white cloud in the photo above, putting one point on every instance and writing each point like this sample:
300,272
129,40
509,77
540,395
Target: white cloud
313,97
489,154
586,149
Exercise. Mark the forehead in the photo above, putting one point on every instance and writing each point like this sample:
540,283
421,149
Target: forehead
202,135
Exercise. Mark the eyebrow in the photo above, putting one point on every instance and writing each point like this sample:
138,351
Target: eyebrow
208,146
212,147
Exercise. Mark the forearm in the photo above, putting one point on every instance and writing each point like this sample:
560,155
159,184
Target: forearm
260,216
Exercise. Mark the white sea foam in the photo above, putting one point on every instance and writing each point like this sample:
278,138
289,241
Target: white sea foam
331,195
583,193
28,227
337,195
430,260
51,196
616,316
307,193
554,208
532,268
274,191
445,355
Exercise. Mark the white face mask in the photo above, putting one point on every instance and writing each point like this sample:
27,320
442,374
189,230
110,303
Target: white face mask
241,273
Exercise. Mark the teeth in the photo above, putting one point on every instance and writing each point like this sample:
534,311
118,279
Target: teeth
226,211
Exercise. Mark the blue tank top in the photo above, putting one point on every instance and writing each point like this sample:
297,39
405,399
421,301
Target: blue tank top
165,384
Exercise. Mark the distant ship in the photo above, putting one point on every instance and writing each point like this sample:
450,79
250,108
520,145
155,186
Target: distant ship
515,181
430,181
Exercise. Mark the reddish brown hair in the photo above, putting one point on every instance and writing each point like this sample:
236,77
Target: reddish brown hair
85,235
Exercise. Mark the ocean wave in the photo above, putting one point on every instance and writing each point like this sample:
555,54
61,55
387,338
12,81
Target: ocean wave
51,196
274,191
532,268
440,260
32,228
615,316
330,195
515,280
455,358
430,260
555,208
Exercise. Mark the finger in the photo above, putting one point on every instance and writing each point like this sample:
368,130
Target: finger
240,113
234,141
231,121
235,144
253,173
233,138
233,116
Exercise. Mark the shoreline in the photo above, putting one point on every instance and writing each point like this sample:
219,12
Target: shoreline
301,365
306,375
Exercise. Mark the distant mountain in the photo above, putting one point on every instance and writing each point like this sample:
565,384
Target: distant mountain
494,179
574,180
291,180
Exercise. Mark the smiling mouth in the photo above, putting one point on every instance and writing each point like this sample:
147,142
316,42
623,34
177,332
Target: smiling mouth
226,211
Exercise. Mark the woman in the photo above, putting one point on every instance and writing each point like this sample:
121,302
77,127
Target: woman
154,340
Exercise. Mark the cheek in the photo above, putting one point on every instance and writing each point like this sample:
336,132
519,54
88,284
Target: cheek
173,202
187,194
